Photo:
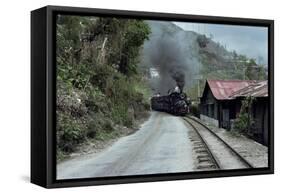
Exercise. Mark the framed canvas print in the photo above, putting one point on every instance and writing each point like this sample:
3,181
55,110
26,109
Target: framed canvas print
125,96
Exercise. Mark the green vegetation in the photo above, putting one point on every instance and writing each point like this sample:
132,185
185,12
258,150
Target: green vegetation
253,71
244,120
219,63
99,85
194,110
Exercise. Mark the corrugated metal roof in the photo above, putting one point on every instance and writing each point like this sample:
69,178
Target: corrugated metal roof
224,89
257,89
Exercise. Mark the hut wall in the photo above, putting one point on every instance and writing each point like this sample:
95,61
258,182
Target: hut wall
259,113
209,106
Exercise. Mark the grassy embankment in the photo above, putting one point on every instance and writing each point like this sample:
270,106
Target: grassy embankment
100,89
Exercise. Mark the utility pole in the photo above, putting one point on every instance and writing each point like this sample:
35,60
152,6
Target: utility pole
198,78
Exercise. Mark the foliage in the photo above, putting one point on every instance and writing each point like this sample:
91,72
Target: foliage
69,132
194,110
244,120
98,82
254,71
218,63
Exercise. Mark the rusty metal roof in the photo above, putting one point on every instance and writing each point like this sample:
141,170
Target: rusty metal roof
224,89
257,89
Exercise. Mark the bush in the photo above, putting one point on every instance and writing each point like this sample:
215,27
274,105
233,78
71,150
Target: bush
194,109
146,106
241,123
96,101
96,123
98,85
244,121
70,132
92,128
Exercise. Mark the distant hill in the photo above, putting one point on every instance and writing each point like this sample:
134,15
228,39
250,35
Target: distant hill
209,59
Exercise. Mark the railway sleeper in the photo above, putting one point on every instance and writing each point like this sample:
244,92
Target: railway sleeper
207,166
204,160
206,163
199,147
201,151
203,156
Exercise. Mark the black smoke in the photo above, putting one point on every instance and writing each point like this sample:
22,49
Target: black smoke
170,51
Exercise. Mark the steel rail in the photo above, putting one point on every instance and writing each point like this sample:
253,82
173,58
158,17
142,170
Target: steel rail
214,160
241,158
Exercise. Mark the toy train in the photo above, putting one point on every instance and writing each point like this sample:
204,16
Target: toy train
175,103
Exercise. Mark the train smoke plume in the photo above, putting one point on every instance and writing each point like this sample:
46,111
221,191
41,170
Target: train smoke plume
170,50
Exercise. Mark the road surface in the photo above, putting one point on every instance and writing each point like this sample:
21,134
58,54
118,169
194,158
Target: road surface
161,145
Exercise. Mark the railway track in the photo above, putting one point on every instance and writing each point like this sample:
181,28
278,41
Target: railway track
217,154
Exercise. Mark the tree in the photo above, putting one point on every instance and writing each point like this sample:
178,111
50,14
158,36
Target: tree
254,71
136,33
244,120
97,77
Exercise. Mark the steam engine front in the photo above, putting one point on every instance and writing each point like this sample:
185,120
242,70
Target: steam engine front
175,103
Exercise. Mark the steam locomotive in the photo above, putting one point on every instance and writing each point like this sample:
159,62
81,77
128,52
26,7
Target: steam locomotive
176,103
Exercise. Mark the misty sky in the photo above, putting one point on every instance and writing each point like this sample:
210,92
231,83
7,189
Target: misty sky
247,40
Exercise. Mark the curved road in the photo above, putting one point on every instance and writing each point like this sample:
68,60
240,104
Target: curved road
161,145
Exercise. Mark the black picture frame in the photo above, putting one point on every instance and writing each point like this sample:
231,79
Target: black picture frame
43,96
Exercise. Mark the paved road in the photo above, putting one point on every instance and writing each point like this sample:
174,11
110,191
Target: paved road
161,145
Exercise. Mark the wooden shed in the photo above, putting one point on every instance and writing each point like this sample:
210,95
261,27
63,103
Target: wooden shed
221,101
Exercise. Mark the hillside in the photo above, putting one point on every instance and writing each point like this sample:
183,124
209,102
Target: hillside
100,92
197,55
